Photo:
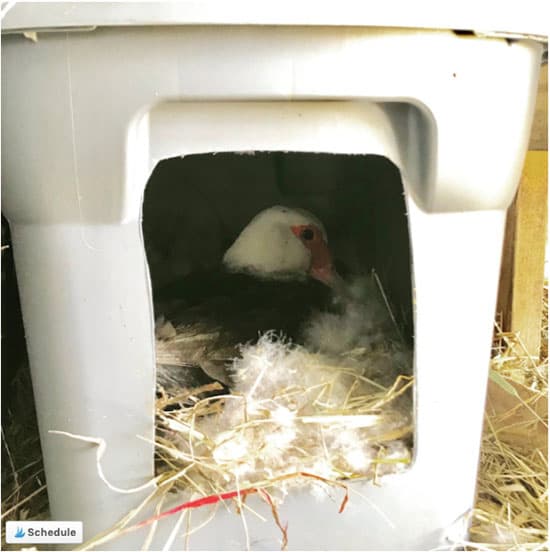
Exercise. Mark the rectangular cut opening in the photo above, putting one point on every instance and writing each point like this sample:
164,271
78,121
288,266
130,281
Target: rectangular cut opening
269,367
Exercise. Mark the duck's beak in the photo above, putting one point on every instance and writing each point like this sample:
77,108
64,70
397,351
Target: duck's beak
323,274
321,267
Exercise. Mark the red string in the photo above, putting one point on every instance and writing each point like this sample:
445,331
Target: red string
204,501
213,499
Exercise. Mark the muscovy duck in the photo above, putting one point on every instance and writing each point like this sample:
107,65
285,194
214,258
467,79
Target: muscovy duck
277,272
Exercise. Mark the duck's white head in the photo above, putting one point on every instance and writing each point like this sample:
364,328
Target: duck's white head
282,243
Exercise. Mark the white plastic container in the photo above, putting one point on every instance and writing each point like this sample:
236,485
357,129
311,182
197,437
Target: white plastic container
86,115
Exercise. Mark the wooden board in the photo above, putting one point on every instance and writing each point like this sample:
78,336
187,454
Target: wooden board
539,132
522,275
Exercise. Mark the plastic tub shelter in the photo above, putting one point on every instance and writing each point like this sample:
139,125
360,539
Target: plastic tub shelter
102,92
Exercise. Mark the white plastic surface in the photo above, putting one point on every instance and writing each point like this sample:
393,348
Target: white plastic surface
489,16
455,83
84,118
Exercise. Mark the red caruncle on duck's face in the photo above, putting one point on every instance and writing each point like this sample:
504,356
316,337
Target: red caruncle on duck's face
313,240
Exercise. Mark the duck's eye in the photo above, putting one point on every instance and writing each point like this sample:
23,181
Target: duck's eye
307,234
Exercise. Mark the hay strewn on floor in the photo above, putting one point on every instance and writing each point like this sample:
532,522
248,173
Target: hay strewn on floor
511,511
24,494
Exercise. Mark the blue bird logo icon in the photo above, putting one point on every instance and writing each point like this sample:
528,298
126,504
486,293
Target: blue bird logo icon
20,533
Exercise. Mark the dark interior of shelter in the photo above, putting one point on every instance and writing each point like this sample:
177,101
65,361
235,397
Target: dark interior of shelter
196,206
